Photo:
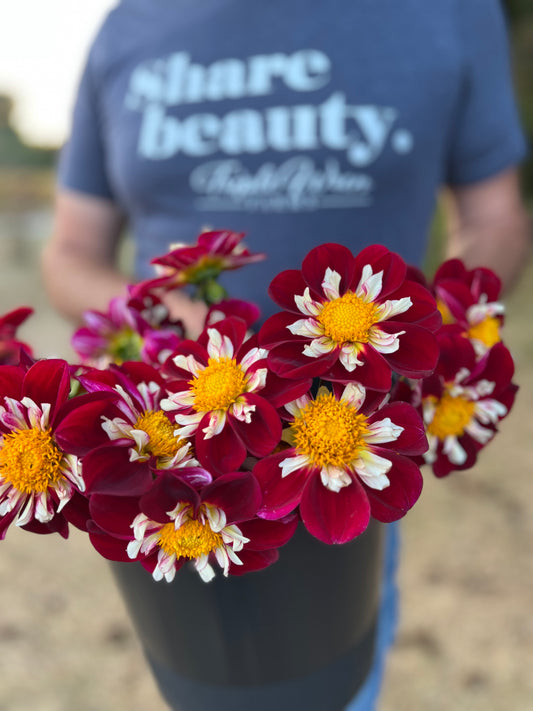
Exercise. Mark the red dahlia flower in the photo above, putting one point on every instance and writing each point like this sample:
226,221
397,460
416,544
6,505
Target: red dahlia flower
37,477
174,523
464,401
218,385
200,264
135,439
470,299
351,317
347,462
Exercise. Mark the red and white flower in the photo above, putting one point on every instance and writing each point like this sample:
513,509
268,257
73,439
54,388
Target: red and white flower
358,317
133,439
175,524
463,403
37,477
470,299
347,460
217,396
214,252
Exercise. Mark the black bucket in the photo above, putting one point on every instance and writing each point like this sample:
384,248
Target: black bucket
297,635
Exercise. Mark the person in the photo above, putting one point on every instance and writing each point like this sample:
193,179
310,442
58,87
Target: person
297,124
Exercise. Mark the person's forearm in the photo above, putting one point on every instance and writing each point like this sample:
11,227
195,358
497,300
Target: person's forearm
489,226
503,247
75,285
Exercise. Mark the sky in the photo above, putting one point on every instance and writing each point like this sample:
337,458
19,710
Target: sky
43,44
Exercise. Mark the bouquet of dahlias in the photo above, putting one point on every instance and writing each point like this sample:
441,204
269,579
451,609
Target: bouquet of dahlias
168,450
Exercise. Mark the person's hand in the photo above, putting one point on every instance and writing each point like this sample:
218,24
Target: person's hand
192,313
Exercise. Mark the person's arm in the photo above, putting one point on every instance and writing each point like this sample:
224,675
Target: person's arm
489,226
79,261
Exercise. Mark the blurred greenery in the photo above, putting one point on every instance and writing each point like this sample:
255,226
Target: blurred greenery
520,15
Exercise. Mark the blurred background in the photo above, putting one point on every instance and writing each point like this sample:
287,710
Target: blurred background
466,632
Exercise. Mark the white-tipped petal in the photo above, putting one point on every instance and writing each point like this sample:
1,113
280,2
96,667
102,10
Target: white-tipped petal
454,450
291,464
219,346
349,356
370,285
383,431
335,478
393,308
331,284
308,327
242,411
217,420
373,470
490,411
306,305
253,355
384,342
296,406
354,394
318,347
481,434
188,363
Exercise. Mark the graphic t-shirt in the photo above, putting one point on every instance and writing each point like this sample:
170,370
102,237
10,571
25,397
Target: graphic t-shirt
297,121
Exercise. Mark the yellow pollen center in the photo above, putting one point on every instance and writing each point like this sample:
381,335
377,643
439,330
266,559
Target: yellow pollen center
348,319
329,431
163,442
218,386
488,331
30,460
451,416
191,540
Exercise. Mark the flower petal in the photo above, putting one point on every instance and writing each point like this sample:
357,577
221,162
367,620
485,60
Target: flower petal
418,352
108,470
263,432
334,517
281,495
237,494
223,453
403,492
265,534
336,258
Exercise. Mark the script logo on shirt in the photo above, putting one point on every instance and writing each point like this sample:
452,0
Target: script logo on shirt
354,136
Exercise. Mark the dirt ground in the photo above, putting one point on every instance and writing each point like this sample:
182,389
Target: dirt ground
466,635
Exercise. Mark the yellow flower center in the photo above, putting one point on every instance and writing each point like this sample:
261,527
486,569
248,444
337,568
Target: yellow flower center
348,319
451,416
329,431
488,331
163,442
191,540
219,385
30,460
445,312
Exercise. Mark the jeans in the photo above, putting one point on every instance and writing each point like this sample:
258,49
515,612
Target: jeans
367,697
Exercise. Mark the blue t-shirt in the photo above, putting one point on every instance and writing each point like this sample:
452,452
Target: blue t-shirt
295,121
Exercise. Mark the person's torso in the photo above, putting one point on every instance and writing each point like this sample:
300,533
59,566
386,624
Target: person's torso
296,122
